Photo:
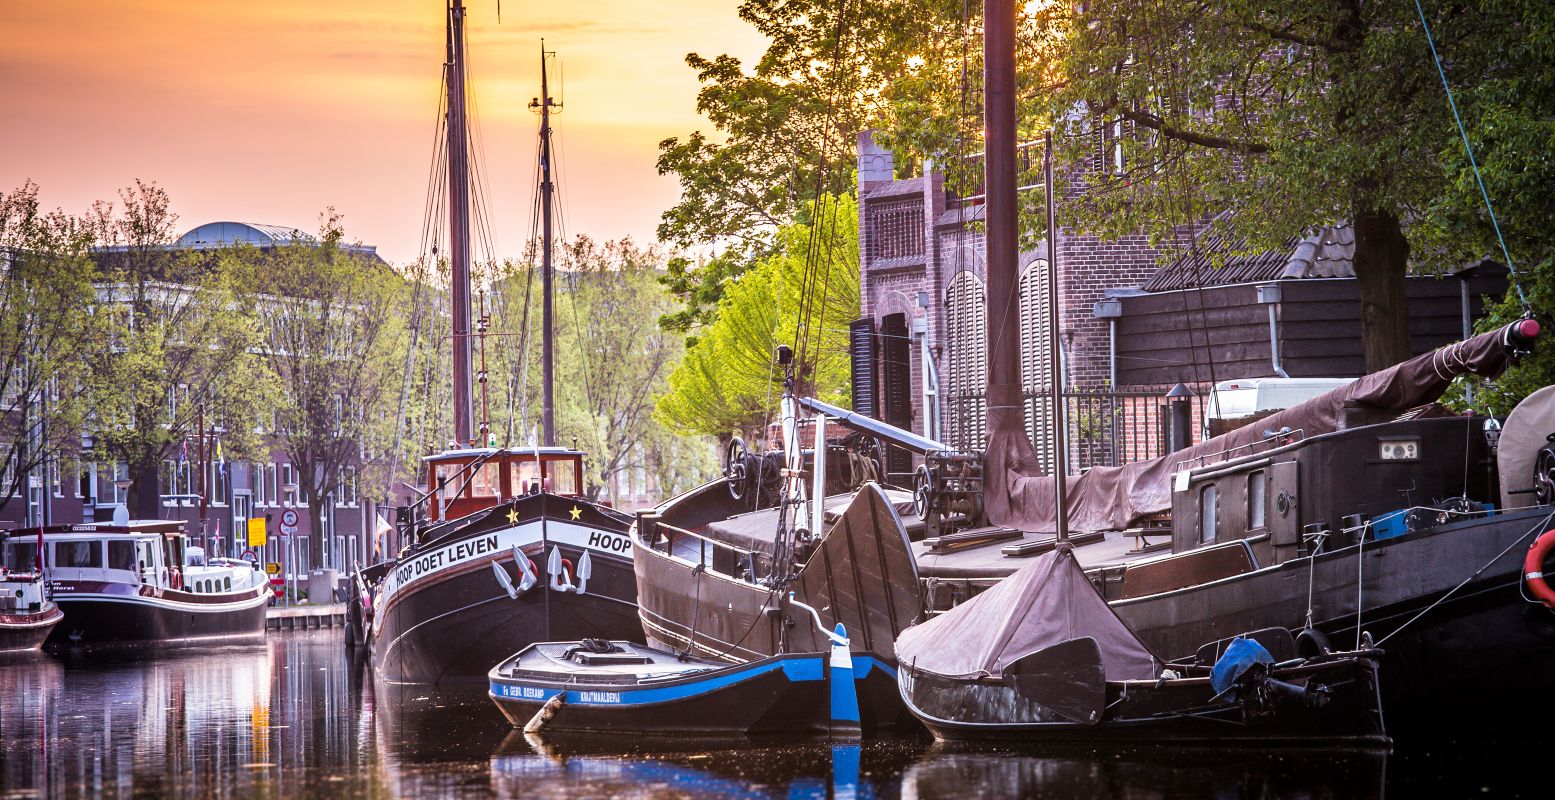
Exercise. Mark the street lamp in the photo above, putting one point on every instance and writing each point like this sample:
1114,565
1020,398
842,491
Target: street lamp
121,513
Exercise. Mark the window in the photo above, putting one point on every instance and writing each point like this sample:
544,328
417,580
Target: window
56,477
288,480
346,493
487,481
272,484
523,475
1257,494
121,555
20,555
563,476
80,555
169,482
1209,511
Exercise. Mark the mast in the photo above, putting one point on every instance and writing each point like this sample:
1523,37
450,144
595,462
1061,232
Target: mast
459,221
1055,357
547,191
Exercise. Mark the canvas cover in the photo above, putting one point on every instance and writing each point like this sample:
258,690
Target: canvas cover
1114,498
1045,603
1522,437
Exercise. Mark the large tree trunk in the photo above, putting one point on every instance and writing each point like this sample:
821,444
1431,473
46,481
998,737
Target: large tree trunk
316,521
1381,264
144,498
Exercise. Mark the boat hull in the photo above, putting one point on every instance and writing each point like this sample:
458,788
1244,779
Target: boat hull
118,613
1437,637
1176,711
27,631
442,616
786,694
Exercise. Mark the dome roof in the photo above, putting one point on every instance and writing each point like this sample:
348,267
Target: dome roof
219,234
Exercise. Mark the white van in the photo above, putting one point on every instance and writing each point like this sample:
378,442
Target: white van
1244,397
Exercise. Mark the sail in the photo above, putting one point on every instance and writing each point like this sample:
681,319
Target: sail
1114,498
1045,603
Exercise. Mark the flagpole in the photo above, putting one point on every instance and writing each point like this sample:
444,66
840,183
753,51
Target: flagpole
205,467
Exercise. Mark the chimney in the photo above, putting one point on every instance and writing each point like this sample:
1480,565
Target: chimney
876,166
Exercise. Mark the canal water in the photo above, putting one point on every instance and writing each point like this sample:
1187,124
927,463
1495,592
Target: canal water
298,716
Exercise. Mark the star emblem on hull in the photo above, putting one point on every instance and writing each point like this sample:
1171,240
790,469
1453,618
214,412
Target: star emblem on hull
576,512
513,516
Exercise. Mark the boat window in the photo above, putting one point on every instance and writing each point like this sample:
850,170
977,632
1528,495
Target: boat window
523,474
20,556
1209,511
487,481
563,476
121,555
227,582
1257,484
84,554
448,478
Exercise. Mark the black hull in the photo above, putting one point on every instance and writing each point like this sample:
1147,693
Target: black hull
128,621
452,624
27,631
1179,711
1484,635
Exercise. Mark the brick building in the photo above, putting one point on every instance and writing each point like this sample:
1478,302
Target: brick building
85,488
1132,323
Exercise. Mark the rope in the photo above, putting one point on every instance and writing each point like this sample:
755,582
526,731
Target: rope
1537,526
1469,150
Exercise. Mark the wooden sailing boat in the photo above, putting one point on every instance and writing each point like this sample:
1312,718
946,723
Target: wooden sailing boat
505,550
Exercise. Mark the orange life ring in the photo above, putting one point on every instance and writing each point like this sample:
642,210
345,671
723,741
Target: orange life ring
175,579
1533,568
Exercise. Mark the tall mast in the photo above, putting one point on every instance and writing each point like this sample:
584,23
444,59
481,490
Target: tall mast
547,190
459,221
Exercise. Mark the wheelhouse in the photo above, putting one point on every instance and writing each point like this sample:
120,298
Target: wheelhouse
461,482
140,552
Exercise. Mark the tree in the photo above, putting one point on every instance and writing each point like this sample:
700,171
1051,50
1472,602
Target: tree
46,274
611,361
334,336
175,345
1289,114
785,134
800,296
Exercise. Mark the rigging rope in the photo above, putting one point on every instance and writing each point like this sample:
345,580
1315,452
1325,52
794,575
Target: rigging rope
1469,150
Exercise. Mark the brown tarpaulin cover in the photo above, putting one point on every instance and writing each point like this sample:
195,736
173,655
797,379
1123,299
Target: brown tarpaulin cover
1045,603
1114,498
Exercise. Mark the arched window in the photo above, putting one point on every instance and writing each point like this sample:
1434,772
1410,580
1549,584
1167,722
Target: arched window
1036,377
966,381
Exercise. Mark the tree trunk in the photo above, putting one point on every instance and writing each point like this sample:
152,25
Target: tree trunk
316,523
1381,265
144,498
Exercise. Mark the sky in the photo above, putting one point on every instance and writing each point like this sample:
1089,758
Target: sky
272,111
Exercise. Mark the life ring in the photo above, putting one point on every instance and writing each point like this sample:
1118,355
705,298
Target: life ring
175,579
1533,568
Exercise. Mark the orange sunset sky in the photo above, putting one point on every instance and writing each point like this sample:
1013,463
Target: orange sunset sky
270,110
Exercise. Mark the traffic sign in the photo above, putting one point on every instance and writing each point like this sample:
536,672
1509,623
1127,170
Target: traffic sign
272,568
289,522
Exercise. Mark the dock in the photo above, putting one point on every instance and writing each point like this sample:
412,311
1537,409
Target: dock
305,617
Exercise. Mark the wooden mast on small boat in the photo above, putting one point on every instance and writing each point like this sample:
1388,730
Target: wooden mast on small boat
1005,400
459,222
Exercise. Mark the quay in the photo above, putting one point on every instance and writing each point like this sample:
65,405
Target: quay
306,617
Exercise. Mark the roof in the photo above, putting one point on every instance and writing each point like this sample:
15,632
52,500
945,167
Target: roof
1328,252
221,234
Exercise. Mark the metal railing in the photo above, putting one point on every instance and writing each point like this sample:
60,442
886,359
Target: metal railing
1105,428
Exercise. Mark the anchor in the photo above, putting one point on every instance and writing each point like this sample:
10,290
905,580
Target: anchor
527,577
560,580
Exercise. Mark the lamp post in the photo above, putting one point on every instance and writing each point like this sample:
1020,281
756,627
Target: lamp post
121,513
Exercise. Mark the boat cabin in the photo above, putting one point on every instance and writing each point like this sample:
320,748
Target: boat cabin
142,552
462,482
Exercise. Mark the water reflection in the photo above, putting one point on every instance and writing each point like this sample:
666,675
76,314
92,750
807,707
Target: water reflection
297,716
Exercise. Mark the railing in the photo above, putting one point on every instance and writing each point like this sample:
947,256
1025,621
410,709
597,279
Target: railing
663,538
1105,428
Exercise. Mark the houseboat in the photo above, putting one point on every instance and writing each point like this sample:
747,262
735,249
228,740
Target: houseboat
27,613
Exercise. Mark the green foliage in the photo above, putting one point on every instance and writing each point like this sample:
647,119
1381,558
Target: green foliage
611,360
46,275
176,343
333,334
728,382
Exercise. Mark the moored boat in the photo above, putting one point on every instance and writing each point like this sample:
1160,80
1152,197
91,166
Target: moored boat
599,686
143,583
27,613
1041,657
